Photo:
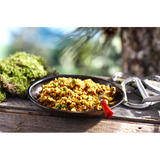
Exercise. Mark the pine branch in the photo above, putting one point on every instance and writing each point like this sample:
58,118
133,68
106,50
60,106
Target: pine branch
79,39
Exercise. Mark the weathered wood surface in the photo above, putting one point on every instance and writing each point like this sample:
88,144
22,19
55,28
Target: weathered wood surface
35,119
11,122
18,105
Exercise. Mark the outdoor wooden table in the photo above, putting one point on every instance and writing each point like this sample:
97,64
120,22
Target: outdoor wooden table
19,115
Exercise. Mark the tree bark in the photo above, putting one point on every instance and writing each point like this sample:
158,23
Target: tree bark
141,51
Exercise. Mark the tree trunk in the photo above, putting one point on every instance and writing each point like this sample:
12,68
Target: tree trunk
141,51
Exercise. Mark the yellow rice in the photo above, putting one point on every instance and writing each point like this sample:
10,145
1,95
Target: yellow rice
75,94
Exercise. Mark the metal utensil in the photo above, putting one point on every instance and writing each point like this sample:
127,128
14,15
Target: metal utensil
144,87
142,90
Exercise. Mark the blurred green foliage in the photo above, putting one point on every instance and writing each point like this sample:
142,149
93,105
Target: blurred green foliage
70,60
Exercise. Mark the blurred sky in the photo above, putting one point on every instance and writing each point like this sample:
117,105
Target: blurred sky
5,33
43,37
57,30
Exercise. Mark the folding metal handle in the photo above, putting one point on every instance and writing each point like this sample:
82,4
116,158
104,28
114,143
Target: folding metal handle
120,75
149,85
152,98
141,89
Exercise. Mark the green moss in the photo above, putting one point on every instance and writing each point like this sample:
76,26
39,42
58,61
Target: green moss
2,93
19,70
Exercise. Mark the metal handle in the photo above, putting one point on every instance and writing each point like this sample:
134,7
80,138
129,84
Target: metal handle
120,75
152,98
141,90
149,85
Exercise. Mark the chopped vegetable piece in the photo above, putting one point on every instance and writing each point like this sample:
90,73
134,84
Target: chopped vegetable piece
64,106
55,85
110,103
87,98
73,81
58,105
64,88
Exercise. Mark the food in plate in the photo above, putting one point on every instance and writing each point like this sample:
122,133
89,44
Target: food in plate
74,94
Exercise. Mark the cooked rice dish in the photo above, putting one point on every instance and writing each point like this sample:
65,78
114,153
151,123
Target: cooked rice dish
71,94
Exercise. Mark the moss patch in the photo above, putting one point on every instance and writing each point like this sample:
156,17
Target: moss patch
18,71
2,93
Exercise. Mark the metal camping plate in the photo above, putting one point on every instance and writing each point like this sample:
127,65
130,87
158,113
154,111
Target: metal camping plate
34,89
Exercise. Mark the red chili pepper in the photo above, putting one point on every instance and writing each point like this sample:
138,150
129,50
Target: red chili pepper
106,109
